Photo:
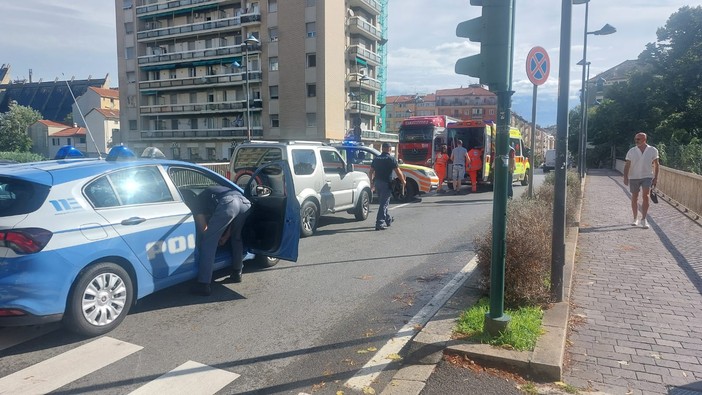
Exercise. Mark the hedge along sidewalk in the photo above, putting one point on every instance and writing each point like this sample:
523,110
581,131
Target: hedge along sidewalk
544,363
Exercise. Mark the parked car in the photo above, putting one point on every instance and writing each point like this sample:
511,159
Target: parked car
82,239
549,160
323,182
420,179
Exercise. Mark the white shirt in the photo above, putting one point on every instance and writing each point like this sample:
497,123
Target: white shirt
641,162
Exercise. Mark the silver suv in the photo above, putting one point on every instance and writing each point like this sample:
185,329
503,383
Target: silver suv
323,182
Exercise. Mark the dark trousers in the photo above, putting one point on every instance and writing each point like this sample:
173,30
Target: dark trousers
510,191
384,194
232,209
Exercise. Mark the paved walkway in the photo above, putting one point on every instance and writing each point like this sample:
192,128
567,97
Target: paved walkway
636,325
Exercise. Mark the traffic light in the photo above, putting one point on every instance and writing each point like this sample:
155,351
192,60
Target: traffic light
493,30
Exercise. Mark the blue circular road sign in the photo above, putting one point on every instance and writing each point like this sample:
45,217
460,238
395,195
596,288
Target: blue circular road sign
538,65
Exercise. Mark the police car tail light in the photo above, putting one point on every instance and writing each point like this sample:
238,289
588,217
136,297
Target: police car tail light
11,313
25,241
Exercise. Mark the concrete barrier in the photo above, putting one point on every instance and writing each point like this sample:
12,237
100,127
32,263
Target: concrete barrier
684,188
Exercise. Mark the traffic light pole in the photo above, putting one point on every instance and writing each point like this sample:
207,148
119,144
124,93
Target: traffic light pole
496,320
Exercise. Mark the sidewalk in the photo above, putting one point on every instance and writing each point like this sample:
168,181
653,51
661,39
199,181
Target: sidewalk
637,297
635,305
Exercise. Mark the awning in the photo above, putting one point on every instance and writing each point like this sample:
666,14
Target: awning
361,61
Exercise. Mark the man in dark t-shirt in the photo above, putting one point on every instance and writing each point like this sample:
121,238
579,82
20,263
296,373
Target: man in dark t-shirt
381,177
218,211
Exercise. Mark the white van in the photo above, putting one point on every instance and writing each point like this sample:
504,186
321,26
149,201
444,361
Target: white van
550,160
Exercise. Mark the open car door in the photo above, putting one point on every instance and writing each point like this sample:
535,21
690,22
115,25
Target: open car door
273,227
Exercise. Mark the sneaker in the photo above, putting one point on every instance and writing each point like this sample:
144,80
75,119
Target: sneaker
636,222
380,227
201,289
389,221
644,224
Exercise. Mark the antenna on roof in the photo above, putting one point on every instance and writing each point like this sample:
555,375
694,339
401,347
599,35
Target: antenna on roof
81,115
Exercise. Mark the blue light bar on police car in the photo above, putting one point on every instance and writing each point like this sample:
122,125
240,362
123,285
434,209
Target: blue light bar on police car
120,152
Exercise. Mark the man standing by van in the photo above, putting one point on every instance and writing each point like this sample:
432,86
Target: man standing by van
459,157
380,175
641,172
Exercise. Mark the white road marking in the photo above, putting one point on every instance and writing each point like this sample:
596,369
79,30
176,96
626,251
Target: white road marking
371,370
190,378
398,206
12,336
54,373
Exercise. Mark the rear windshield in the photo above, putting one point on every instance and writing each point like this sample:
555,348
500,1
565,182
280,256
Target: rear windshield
19,197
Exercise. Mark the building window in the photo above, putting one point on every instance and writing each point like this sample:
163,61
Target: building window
273,90
129,27
129,53
69,141
311,60
132,124
311,119
82,140
55,142
311,90
311,29
272,5
193,153
275,123
193,123
273,34
211,154
273,63
311,3
477,111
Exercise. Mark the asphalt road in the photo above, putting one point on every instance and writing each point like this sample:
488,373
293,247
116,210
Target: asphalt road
304,327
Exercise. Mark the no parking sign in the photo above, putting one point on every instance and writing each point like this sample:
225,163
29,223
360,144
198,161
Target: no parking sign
537,65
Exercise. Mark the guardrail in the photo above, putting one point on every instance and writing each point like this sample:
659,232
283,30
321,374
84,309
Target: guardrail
683,187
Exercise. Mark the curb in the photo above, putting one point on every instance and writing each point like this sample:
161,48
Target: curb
544,363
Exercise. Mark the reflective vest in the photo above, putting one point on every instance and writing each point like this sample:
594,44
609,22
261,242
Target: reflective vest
476,158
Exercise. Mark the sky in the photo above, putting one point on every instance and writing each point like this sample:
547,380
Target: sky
78,38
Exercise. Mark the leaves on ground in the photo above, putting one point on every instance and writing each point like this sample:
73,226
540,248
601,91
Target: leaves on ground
368,391
394,357
367,350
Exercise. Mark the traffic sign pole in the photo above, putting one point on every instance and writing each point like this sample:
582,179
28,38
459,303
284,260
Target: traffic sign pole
537,68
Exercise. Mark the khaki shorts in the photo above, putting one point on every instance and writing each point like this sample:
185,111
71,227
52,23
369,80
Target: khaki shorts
636,184
457,172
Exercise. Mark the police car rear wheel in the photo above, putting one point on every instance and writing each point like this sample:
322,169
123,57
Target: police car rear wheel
100,300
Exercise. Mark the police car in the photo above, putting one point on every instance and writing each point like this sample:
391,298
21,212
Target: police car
82,239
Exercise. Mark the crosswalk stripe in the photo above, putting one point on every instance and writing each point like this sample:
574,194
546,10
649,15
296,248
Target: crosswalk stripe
54,373
190,378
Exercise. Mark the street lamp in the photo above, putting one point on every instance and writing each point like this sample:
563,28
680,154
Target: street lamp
606,29
250,40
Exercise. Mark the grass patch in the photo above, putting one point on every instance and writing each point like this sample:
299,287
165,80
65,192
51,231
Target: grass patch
523,330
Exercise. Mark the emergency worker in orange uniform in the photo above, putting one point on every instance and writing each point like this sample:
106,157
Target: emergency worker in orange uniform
440,166
476,163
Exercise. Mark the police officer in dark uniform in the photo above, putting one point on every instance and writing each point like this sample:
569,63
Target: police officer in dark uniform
220,213
381,177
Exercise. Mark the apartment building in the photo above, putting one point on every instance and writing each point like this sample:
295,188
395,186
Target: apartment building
198,76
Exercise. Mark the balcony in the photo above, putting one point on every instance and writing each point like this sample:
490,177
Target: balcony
357,51
210,80
370,83
200,108
154,31
204,134
371,6
366,108
150,8
198,55
358,25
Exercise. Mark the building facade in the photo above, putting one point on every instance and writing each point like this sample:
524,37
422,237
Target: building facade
196,77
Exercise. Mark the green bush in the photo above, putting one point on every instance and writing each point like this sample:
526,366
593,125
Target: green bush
528,238
21,157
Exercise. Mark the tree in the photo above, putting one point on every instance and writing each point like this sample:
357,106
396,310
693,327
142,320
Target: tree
13,128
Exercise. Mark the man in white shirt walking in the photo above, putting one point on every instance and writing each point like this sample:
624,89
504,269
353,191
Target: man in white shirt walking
641,172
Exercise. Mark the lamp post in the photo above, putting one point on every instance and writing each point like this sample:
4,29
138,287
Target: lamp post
606,29
250,40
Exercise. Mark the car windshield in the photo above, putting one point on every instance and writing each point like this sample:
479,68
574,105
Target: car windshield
20,197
